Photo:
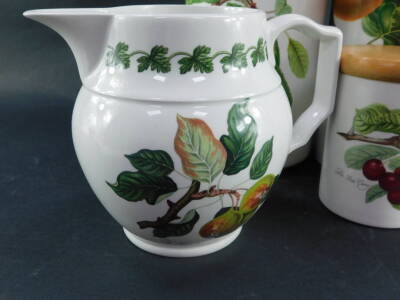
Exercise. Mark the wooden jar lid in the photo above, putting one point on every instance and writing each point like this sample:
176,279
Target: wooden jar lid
372,62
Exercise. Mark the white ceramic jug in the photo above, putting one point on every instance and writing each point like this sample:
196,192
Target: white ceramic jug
182,125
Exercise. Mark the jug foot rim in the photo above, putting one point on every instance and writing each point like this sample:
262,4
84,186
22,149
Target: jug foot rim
182,250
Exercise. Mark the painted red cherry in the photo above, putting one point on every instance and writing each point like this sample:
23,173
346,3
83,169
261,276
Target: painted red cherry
373,169
394,197
390,182
397,171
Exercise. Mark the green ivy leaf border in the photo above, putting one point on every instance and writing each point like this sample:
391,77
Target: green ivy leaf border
201,59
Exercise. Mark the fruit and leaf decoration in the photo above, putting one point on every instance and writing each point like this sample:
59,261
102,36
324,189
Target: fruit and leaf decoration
379,157
205,161
297,54
380,18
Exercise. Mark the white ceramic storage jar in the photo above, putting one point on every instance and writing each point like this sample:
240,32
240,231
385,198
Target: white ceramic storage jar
360,178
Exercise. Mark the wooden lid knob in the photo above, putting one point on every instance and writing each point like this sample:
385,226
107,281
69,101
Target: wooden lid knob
372,62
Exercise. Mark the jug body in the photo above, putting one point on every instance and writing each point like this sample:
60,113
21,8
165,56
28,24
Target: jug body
182,125
184,174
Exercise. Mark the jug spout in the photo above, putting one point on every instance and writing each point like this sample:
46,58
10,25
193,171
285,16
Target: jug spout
85,31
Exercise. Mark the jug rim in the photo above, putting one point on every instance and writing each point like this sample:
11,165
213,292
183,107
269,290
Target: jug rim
111,36
159,11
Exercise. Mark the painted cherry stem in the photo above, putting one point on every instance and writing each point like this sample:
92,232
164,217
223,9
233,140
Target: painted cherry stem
192,194
393,141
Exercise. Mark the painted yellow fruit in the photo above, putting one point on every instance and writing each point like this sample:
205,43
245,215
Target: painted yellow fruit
256,194
222,224
351,10
228,219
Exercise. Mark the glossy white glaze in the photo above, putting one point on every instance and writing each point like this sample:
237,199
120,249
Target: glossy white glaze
302,88
343,189
105,129
120,111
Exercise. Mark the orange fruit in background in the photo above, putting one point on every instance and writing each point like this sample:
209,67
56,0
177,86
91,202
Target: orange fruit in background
351,10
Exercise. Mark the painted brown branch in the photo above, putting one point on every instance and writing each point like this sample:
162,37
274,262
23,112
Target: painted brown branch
192,194
213,192
252,4
393,141
174,208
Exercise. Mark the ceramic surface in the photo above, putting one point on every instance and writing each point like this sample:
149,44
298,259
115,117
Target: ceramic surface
177,134
363,127
301,87
298,53
373,22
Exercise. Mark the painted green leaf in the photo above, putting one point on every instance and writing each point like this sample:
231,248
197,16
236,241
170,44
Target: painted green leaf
118,55
234,4
236,59
282,7
277,53
356,156
396,206
396,2
184,227
384,23
157,60
152,162
284,82
394,37
377,117
394,163
261,160
241,139
136,186
258,55
298,58
379,22
199,61
373,193
203,156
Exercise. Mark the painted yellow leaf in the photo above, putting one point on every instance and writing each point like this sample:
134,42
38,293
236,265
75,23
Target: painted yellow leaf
203,156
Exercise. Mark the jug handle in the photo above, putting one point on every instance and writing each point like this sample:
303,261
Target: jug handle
330,45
